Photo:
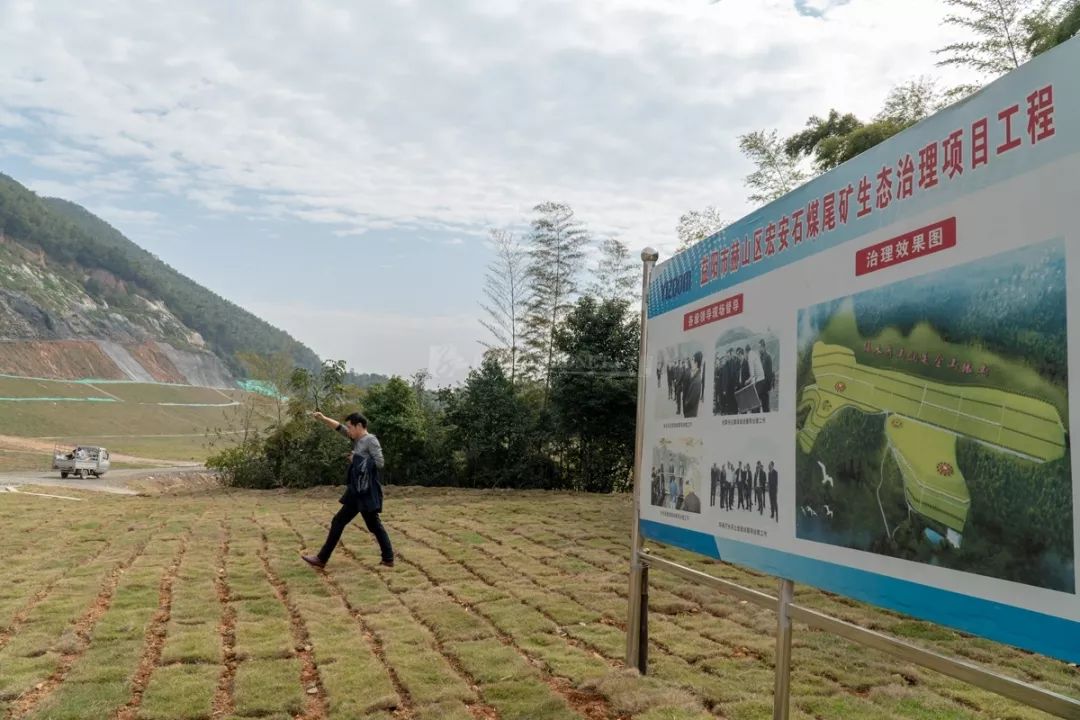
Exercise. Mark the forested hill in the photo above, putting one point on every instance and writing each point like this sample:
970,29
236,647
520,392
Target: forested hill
66,274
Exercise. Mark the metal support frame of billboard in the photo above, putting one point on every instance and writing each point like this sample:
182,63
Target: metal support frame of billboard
641,560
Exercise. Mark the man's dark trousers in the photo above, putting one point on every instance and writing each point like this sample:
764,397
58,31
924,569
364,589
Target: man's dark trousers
344,516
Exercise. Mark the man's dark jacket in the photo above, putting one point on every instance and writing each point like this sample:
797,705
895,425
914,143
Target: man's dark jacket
362,487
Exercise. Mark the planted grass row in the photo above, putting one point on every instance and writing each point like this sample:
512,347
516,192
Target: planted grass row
98,682
267,679
518,596
183,685
821,676
50,631
409,671
33,576
859,672
424,628
352,679
539,639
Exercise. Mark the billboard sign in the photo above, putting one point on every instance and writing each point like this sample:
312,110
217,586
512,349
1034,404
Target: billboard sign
864,385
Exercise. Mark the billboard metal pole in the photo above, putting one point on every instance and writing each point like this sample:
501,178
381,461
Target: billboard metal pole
783,651
637,623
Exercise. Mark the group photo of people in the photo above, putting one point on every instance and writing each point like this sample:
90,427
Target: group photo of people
745,374
675,479
680,381
746,487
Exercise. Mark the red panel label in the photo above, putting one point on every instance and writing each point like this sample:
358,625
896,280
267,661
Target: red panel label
712,312
909,246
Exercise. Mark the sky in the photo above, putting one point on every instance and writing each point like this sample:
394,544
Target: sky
335,167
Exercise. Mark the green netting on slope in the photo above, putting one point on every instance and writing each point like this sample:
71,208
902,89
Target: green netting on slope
260,387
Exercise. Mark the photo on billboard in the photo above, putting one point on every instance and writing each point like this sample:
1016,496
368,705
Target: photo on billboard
742,486
932,420
679,372
676,474
746,365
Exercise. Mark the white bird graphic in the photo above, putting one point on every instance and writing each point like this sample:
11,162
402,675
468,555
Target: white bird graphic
826,477
828,511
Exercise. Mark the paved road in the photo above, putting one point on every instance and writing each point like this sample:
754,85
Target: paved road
114,482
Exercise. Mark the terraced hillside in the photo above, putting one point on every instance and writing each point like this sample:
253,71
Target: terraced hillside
145,420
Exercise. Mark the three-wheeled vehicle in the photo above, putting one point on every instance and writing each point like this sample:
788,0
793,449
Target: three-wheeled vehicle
83,461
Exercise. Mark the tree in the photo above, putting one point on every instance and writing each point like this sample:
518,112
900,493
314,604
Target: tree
556,249
615,276
999,30
1045,32
910,102
419,385
274,373
493,426
317,390
504,288
837,138
394,414
594,394
824,139
777,172
696,225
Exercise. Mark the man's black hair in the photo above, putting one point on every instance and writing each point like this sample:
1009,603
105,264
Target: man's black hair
698,358
357,419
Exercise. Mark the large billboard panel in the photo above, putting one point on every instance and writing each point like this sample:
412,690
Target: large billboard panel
864,385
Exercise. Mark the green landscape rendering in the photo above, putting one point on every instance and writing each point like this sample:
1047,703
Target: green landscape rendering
932,420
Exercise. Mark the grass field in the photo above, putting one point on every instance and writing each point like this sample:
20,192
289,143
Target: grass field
163,394
502,605
1012,422
20,388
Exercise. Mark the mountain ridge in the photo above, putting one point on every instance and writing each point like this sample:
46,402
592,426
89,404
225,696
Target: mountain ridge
79,299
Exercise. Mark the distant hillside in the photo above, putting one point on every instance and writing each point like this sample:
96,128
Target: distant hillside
78,299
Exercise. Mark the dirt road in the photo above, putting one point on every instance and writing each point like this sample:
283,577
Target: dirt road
23,444
120,482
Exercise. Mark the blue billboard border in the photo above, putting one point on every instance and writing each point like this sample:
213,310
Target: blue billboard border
1050,68
1046,634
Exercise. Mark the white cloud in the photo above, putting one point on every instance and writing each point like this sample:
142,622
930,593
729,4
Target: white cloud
450,114
424,117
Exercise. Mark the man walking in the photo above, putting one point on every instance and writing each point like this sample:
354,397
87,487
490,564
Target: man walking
363,492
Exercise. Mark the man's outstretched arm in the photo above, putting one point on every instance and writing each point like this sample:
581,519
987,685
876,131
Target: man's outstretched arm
330,423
